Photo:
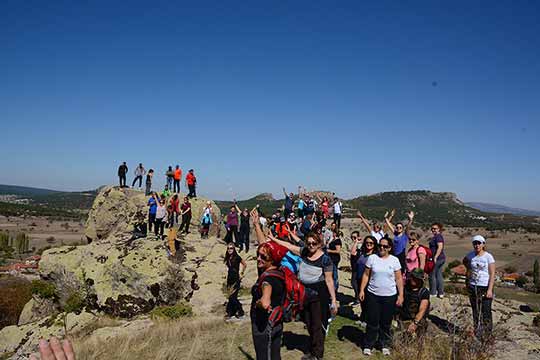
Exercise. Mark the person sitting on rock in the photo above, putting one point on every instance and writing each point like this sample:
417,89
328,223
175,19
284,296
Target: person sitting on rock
415,308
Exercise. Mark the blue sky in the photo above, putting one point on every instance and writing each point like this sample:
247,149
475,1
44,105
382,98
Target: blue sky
347,96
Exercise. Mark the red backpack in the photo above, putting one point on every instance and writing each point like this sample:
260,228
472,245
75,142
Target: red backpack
294,299
430,263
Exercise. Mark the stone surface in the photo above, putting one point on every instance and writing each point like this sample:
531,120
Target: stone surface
37,309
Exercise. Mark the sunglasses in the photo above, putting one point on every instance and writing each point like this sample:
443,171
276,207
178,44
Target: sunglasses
385,246
231,248
263,256
311,243
434,229
412,239
475,243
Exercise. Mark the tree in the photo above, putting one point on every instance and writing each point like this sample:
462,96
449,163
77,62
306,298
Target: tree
536,275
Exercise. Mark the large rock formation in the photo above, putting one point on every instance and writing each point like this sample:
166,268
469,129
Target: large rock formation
116,211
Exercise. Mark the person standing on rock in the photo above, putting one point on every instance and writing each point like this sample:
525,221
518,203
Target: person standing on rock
161,219
170,177
122,171
338,207
149,176
234,275
177,178
243,241
140,171
191,182
232,225
186,216
436,245
152,203
175,210
289,203
480,279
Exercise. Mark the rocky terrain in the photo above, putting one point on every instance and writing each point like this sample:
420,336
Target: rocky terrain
105,291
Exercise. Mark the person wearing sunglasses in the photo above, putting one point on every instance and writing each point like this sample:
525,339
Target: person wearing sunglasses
436,245
401,237
368,248
416,255
315,271
382,291
480,278
267,295
234,275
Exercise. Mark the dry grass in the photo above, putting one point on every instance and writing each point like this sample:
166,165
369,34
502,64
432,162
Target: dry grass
183,339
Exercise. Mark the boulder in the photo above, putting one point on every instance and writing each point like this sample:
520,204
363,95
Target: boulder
37,309
116,211
17,342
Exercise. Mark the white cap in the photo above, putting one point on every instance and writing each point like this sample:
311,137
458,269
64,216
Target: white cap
479,238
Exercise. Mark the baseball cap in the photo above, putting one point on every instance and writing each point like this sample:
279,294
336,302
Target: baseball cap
479,238
418,273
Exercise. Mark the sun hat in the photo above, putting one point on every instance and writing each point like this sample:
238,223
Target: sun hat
479,238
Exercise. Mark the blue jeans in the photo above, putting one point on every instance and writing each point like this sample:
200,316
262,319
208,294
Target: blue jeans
436,281
169,182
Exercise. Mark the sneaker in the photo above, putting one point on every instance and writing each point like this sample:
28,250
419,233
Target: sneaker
362,323
367,352
386,351
440,296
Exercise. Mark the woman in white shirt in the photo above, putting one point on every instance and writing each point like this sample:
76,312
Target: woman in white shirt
161,218
384,282
480,278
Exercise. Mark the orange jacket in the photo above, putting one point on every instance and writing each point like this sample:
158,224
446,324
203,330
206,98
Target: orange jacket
177,174
190,179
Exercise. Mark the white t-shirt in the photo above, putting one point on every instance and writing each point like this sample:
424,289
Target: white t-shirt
480,268
377,235
382,281
337,207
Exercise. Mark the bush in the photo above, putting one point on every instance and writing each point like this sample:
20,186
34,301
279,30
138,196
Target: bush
509,269
74,303
14,294
172,312
43,289
521,281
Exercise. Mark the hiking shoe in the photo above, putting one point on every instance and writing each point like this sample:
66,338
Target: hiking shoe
361,323
440,296
386,351
367,352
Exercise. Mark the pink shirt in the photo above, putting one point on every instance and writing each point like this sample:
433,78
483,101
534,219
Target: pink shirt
412,258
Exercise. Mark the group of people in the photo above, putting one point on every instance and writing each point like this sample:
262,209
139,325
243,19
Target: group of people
389,267
173,179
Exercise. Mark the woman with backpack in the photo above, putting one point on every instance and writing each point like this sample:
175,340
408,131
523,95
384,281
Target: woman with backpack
368,248
234,275
267,296
480,280
382,291
315,271
416,255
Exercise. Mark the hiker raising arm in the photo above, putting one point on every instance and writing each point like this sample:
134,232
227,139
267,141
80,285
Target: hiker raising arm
410,215
292,248
261,238
388,220
365,222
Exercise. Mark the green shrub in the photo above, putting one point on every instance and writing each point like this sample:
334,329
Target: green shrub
74,303
522,280
172,312
43,289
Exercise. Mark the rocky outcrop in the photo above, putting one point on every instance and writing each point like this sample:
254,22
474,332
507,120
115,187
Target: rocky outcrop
37,309
18,342
116,211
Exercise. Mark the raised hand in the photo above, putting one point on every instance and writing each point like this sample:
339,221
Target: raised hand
410,215
359,214
393,212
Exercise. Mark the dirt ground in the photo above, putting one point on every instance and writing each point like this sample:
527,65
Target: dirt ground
42,231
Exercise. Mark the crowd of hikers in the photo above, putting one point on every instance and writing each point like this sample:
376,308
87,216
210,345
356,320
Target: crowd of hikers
298,255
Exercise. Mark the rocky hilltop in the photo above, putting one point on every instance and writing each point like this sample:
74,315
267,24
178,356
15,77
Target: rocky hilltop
116,273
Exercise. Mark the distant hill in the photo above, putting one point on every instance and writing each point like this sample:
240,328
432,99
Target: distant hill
501,209
20,200
24,191
429,207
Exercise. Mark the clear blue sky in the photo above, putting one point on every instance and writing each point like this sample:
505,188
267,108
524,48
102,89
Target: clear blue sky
351,97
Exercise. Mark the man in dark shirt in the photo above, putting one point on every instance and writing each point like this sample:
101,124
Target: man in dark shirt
289,201
415,308
122,171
